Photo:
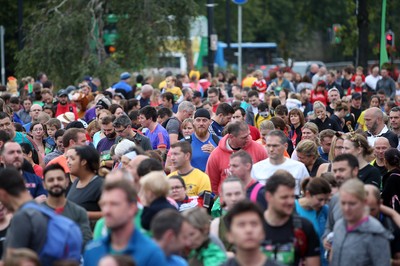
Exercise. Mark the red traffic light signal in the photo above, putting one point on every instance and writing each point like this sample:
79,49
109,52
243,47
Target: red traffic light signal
389,38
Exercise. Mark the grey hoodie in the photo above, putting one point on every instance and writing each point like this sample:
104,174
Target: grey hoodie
366,245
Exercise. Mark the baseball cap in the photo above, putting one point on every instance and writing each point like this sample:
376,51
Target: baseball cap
356,96
125,76
104,103
201,112
62,93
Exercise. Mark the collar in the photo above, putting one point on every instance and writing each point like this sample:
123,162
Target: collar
383,131
130,247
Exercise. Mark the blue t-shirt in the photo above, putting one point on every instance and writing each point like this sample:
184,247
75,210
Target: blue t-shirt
216,128
142,249
34,184
122,85
318,220
159,137
175,260
199,157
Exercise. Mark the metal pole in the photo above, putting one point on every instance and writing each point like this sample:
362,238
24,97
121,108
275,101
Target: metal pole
3,67
210,17
240,44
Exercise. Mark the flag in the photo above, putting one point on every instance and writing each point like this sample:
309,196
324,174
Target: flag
383,53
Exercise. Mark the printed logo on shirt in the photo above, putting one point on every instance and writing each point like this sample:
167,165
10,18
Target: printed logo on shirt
30,185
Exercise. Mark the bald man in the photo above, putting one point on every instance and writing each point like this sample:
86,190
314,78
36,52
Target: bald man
375,208
380,146
374,121
34,112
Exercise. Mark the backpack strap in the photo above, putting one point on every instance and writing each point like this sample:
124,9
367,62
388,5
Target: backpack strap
254,192
188,139
46,211
215,138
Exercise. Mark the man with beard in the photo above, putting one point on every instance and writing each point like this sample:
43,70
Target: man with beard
56,183
374,121
11,156
202,141
290,239
105,144
7,125
64,106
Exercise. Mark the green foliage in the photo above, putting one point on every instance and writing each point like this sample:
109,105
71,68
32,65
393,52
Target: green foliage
64,37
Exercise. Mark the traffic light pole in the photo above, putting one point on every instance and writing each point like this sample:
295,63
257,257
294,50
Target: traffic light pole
210,17
3,67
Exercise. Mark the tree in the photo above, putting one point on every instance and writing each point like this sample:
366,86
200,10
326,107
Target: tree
64,38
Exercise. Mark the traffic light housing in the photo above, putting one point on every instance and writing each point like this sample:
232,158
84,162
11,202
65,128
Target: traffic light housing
110,49
336,28
389,38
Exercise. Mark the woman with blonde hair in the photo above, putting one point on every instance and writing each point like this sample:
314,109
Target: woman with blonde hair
358,238
357,145
203,250
187,127
322,120
308,131
335,150
154,189
307,153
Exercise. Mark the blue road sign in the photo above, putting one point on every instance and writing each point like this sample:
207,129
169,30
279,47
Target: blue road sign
239,2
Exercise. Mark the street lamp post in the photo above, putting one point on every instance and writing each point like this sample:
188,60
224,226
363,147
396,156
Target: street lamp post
239,3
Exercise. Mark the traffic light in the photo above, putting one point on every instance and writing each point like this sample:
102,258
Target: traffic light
110,49
389,38
336,39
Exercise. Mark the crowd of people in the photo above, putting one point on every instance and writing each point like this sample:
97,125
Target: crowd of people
201,170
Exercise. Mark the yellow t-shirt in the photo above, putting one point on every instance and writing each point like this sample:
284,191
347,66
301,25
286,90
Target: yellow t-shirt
162,84
361,121
176,91
196,182
248,82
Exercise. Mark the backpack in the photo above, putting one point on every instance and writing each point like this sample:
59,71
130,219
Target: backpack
254,192
287,252
300,236
63,240
165,123
214,137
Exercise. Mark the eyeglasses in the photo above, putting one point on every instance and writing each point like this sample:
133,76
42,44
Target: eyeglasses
38,130
176,188
120,131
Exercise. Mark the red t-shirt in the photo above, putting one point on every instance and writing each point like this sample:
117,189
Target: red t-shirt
62,109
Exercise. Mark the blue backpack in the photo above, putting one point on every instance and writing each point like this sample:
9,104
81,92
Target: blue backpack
63,240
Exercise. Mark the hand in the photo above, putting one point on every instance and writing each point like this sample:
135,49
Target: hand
207,147
40,199
327,245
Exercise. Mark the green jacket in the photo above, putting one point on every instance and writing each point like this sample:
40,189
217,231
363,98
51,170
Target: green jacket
209,254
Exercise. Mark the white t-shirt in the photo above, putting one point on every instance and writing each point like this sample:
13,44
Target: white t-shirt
371,81
264,169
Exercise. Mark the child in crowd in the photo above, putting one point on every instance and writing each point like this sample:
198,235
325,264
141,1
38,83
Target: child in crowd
51,126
